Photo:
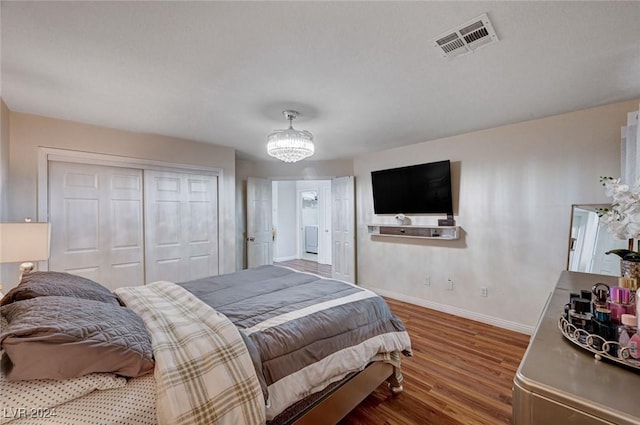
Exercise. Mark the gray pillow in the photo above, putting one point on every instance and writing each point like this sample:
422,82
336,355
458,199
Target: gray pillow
63,337
43,284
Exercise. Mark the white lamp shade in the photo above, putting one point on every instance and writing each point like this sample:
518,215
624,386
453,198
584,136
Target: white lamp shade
21,242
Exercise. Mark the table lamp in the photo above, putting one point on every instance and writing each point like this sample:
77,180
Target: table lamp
24,242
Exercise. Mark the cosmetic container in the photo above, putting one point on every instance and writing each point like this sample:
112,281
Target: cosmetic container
603,315
573,296
600,295
626,331
586,294
580,315
625,295
619,303
634,346
603,327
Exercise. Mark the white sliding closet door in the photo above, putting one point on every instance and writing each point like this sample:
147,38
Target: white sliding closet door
96,222
181,216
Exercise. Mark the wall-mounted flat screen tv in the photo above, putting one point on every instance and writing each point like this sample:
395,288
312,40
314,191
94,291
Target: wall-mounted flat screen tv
416,189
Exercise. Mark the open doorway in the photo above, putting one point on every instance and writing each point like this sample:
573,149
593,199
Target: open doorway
301,213
336,234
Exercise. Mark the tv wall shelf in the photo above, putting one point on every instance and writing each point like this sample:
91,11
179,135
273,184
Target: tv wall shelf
415,231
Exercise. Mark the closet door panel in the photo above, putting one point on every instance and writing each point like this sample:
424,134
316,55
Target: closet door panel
126,226
202,226
126,274
81,225
181,226
170,269
91,273
125,215
96,217
163,217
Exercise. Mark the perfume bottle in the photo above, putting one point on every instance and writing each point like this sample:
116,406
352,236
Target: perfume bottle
600,293
619,299
628,337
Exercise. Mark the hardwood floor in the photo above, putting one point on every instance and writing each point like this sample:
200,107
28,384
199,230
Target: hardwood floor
323,270
461,373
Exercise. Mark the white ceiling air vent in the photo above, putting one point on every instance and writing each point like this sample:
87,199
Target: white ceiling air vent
466,38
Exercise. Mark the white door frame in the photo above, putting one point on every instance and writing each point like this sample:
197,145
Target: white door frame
321,212
64,155
301,228
324,231
299,244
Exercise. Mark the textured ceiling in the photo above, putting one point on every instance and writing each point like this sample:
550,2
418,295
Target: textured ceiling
363,75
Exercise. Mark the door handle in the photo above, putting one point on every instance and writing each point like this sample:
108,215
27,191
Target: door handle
251,239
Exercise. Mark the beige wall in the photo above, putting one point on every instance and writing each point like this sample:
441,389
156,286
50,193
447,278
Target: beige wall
514,186
28,132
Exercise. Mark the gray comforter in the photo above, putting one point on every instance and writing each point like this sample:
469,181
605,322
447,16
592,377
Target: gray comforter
303,327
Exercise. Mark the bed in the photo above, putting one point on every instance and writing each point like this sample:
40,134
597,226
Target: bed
286,347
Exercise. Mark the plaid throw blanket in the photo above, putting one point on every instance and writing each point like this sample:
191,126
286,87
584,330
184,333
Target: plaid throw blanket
203,373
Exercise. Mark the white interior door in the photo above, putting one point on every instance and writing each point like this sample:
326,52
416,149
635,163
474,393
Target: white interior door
324,226
96,222
343,225
181,233
259,223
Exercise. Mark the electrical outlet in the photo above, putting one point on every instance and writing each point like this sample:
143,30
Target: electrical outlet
484,291
427,280
449,284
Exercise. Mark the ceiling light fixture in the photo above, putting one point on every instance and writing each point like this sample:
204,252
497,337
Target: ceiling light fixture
290,145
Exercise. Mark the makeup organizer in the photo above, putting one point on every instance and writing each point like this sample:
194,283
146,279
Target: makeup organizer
591,342
604,322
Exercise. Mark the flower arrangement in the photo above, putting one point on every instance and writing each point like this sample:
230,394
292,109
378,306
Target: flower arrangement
623,218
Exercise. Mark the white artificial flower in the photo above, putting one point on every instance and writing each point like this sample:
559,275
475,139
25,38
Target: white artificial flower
623,219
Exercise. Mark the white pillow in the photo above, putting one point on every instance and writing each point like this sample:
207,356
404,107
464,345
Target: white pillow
36,398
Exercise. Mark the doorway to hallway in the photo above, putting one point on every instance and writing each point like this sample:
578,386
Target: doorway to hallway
301,214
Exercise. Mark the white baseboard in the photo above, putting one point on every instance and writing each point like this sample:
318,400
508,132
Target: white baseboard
501,323
289,258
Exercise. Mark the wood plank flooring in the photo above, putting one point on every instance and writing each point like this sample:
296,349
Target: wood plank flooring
461,371
307,266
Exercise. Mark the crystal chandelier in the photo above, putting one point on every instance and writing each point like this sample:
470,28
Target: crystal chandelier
290,145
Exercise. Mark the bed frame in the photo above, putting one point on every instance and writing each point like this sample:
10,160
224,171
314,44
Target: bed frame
337,403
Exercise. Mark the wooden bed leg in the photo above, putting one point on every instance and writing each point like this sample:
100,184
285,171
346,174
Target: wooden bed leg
394,382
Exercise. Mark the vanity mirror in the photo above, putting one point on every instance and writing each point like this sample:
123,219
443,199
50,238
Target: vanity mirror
588,242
